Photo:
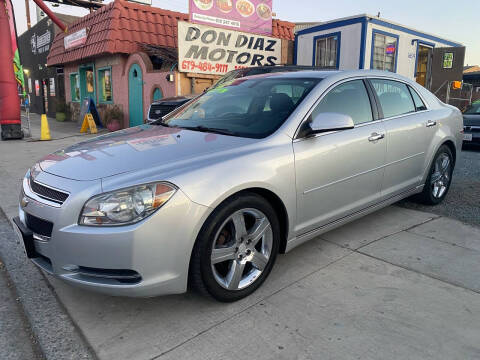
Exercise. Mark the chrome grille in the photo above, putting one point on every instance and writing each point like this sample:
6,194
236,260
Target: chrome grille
48,193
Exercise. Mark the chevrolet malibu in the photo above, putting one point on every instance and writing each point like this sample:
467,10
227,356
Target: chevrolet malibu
210,194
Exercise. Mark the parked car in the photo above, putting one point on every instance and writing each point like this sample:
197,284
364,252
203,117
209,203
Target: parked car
471,124
162,107
209,195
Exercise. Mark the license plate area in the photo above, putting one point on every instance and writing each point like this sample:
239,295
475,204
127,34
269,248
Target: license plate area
26,236
467,137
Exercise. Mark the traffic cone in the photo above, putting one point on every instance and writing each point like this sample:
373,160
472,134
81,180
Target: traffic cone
44,129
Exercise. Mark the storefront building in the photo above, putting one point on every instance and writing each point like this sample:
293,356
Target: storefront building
42,83
368,42
127,55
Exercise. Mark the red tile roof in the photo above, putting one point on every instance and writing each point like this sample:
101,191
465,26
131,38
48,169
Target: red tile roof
121,27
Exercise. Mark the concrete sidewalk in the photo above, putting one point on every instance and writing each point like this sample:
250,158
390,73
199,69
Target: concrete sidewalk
397,284
58,129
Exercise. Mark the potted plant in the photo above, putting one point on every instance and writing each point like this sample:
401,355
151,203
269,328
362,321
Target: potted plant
113,118
60,110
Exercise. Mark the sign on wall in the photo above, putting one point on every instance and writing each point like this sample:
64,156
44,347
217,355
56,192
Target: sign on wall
448,60
37,88
208,50
41,43
78,38
253,16
29,81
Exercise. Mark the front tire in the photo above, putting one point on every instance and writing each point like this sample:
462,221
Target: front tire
236,248
439,177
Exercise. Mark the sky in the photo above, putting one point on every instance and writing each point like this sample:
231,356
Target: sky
456,20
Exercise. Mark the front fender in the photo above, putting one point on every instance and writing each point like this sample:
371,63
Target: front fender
270,168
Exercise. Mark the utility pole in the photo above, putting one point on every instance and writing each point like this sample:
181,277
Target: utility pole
27,11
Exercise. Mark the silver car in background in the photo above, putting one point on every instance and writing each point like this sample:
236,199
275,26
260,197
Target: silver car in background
209,195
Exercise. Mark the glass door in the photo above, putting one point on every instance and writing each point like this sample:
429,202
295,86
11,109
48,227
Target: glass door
424,63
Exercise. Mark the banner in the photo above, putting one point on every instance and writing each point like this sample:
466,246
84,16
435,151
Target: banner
17,67
207,50
253,16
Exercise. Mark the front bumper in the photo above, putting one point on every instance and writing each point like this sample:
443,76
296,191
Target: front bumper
148,258
474,131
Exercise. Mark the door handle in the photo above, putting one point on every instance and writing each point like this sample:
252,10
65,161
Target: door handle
431,123
375,136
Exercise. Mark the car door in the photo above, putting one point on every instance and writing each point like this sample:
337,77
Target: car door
340,172
409,132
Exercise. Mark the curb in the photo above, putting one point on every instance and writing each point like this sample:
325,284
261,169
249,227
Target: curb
56,334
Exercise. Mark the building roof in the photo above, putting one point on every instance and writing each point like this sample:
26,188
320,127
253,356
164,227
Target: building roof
471,69
124,27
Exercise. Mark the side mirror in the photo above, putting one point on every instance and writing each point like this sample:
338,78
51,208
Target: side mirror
325,122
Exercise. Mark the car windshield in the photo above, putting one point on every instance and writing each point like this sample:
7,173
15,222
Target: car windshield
248,107
473,109
225,79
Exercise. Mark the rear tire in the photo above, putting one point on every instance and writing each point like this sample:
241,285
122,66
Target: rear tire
236,248
439,178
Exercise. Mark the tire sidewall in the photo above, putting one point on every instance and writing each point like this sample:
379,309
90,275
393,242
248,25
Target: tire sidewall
443,149
210,229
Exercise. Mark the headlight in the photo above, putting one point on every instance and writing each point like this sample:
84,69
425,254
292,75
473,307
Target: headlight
35,170
125,206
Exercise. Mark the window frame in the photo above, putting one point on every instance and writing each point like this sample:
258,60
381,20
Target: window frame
72,74
155,87
100,87
412,91
373,105
82,71
338,35
372,51
379,106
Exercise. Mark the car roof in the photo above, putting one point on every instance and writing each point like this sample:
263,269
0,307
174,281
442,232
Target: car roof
337,74
319,74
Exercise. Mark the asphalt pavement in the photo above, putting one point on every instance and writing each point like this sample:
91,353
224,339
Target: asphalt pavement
463,200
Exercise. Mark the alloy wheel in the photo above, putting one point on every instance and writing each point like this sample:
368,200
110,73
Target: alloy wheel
441,175
241,249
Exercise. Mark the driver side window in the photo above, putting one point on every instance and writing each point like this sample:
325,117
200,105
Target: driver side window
350,98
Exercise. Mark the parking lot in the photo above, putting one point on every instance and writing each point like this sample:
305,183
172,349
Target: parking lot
464,198
399,283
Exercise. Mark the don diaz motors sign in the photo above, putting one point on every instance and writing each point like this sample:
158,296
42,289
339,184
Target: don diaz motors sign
208,50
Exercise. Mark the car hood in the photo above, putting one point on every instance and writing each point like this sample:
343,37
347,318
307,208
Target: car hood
471,120
135,148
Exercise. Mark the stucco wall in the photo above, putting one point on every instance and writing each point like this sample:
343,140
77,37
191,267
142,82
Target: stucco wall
151,80
350,36
120,65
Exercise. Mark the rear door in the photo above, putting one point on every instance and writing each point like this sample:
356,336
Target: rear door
340,172
409,132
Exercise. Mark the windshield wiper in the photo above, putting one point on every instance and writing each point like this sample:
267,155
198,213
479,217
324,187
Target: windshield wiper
209,129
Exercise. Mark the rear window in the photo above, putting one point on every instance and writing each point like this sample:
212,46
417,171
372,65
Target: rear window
394,96
473,109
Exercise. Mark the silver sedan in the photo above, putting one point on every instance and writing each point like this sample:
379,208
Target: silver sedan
210,194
